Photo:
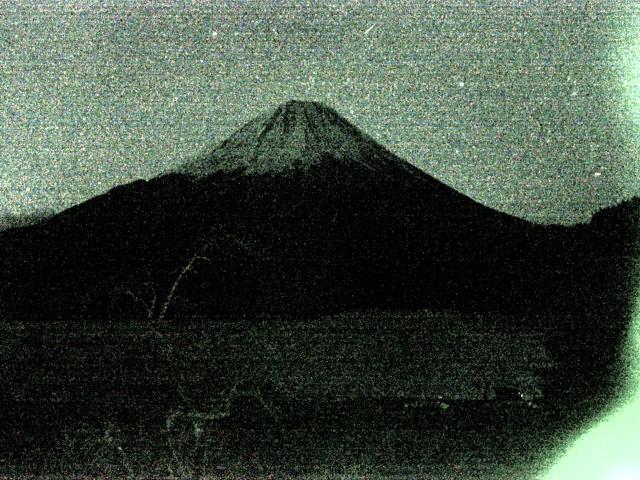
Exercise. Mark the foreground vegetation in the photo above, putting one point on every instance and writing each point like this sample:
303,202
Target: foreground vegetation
469,441
330,397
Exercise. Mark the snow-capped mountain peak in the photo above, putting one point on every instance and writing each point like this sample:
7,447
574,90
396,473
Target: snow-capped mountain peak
296,135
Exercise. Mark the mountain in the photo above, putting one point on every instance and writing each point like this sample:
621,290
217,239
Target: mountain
298,211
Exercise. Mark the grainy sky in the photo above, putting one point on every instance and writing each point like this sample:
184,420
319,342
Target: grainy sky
529,106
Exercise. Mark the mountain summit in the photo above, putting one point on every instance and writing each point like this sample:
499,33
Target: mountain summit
296,135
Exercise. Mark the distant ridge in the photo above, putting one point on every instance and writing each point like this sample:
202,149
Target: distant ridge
296,135
22,220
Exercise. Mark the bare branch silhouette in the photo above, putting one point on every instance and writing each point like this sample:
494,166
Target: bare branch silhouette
150,305
150,295
174,286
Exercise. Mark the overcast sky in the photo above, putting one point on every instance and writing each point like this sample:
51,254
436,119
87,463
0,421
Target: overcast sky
526,106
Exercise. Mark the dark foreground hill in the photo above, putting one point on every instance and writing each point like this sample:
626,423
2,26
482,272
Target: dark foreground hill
300,213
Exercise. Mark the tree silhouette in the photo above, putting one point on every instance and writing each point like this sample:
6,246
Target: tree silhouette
213,249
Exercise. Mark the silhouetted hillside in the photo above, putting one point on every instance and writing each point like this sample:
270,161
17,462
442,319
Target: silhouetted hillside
603,279
22,220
